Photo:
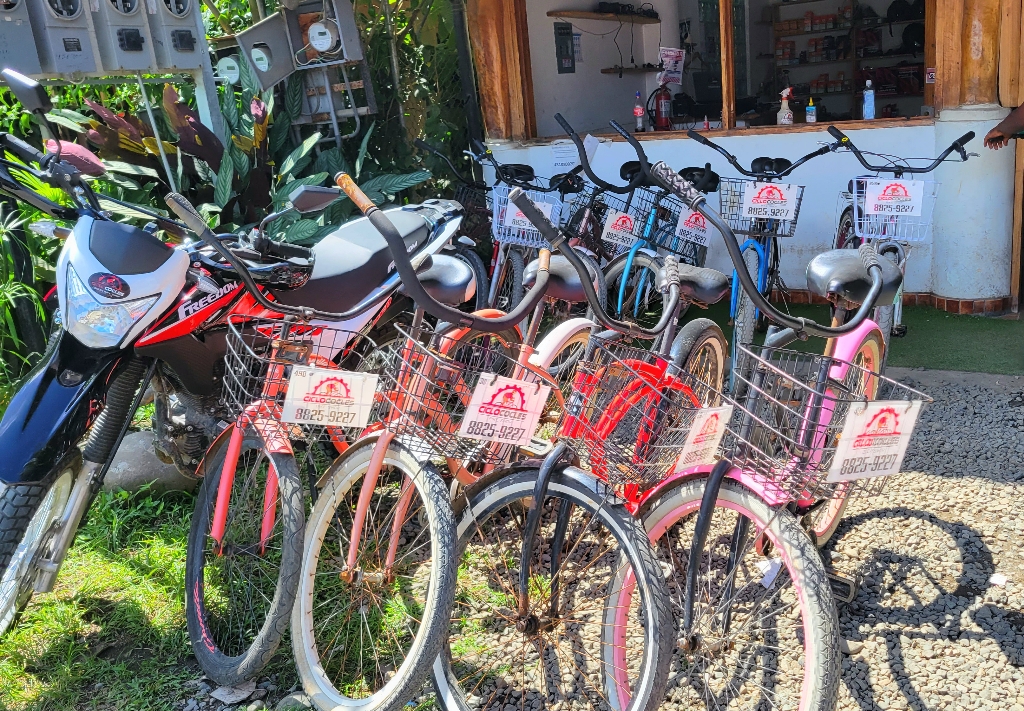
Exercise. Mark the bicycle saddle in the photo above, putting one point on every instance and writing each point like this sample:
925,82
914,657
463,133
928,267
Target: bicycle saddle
448,279
563,282
773,166
702,285
629,170
519,171
703,179
841,273
568,183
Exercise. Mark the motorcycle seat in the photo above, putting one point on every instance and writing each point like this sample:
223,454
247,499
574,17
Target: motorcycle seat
841,273
448,280
352,261
563,282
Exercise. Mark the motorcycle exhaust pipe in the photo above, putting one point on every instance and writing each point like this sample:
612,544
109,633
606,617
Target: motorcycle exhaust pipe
78,503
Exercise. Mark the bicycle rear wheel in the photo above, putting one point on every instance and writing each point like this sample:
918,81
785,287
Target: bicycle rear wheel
573,649
510,290
365,636
765,635
239,591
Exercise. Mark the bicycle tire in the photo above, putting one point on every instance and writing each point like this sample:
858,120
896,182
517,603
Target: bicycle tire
613,274
846,237
510,290
722,671
496,504
314,647
870,355
483,286
230,656
744,321
600,283
26,514
701,348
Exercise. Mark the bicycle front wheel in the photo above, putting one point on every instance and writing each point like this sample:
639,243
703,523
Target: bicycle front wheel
765,633
572,648
364,635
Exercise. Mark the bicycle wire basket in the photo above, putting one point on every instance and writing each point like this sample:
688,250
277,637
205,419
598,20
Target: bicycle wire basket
522,236
260,356
637,204
730,193
627,421
789,413
881,219
472,198
428,382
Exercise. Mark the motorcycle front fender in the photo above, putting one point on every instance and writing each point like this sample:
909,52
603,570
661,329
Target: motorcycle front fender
53,407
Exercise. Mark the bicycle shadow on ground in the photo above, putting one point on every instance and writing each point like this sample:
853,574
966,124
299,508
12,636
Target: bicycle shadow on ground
910,599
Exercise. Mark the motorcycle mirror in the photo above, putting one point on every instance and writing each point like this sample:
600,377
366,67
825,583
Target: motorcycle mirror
313,198
32,95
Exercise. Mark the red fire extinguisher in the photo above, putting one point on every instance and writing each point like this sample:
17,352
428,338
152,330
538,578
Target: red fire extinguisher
663,109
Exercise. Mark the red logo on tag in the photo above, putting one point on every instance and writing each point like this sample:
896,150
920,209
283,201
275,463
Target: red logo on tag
769,195
708,431
623,223
638,111
696,221
110,286
894,192
329,390
881,431
508,402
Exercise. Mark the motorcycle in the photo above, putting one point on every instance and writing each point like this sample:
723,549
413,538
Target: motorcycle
135,311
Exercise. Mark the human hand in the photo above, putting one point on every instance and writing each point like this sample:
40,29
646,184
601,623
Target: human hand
996,139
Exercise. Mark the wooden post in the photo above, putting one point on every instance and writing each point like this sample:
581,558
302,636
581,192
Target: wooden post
727,49
948,14
929,48
1009,52
980,52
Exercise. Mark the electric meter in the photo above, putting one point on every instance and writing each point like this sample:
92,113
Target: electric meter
179,40
123,35
261,57
63,35
17,44
228,69
323,36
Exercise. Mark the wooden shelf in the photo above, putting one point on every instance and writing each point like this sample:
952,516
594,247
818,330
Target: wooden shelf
631,70
793,2
887,23
606,16
813,64
813,32
905,55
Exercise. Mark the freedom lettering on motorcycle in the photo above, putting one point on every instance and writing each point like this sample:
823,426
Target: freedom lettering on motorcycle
329,397
504,410
190,308
874,440
772,201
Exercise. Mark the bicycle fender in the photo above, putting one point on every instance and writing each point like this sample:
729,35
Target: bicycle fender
556,338
762,488
53,407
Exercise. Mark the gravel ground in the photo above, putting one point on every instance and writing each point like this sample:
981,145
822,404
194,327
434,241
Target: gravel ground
938,622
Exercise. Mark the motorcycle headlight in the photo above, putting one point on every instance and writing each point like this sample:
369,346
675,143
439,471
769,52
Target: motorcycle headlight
100,325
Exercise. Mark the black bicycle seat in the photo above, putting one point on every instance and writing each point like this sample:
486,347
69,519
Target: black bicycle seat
704,179
519,171
630,170
568,183
772,166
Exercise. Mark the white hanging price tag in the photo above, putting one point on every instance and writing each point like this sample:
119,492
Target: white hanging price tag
771,201
504,410
874,439
515,218
692,227
329,397
894,197
705,435
619,228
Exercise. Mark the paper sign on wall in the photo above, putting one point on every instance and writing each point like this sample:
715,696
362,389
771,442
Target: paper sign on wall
619,228
874,440
894,197
773,201
504,410
329,397
515,218
672,59
692,227
709,425
565,157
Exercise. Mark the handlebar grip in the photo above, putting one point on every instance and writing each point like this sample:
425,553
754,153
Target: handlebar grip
621,131
358,197
869,257
697,137
548,231
287,251
23,150
564,124
966,138
680,186
181,207
837,134
668,275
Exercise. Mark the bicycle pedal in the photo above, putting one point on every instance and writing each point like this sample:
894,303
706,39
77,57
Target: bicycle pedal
537,447
844,589
899,331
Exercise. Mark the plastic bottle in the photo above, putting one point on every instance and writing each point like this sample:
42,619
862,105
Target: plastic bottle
785,117
869,101
707,124
812,111
638,112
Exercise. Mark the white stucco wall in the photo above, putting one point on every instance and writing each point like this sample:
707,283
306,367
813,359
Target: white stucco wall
968,256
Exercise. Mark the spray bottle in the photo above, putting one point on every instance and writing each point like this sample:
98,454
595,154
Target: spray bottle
785,117
638,112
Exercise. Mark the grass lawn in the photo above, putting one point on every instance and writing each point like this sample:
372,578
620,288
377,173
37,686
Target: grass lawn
935,340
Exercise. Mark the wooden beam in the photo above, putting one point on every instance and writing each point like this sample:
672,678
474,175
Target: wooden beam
1009,52
1017,236
948,14
929,48
979,48
526,71
727,49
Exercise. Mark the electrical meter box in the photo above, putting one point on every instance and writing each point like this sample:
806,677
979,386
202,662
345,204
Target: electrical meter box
177,41
63,35
265,46
323,32
564,52
17,44
123,36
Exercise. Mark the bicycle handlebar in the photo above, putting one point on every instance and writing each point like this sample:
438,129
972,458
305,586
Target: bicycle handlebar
558,242
423,145
685,191
759,174
585,162
957,145
415,289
